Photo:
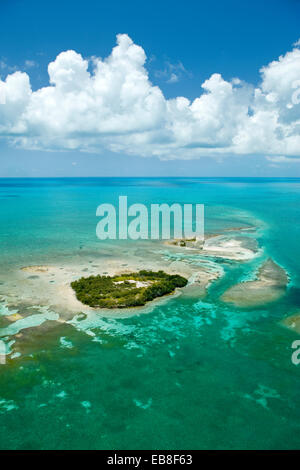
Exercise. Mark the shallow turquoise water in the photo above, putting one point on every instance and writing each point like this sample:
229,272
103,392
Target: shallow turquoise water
192,373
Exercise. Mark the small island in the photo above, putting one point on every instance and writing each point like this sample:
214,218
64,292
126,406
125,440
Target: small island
126,290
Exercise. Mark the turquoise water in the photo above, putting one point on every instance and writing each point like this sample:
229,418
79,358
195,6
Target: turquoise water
192,373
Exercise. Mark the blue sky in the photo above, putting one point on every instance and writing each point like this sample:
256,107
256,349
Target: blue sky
185,44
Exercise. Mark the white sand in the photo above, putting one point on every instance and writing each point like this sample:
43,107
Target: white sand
39,289
50,285
229,249
219,246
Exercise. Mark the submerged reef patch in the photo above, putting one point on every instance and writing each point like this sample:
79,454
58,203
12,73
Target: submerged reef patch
269,286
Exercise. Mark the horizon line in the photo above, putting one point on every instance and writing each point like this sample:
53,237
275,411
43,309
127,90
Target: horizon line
145,177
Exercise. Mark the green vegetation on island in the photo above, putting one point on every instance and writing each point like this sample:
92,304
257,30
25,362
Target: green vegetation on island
125,290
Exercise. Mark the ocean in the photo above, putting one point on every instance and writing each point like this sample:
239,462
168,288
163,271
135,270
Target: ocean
192,373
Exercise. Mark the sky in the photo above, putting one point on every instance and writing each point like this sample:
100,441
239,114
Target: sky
152,88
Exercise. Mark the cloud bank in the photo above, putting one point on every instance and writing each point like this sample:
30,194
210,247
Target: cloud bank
111,104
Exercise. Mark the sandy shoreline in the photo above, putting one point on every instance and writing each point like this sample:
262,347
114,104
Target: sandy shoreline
50,284
219,246
41,295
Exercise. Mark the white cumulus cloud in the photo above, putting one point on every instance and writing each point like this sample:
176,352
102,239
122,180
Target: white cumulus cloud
99,104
